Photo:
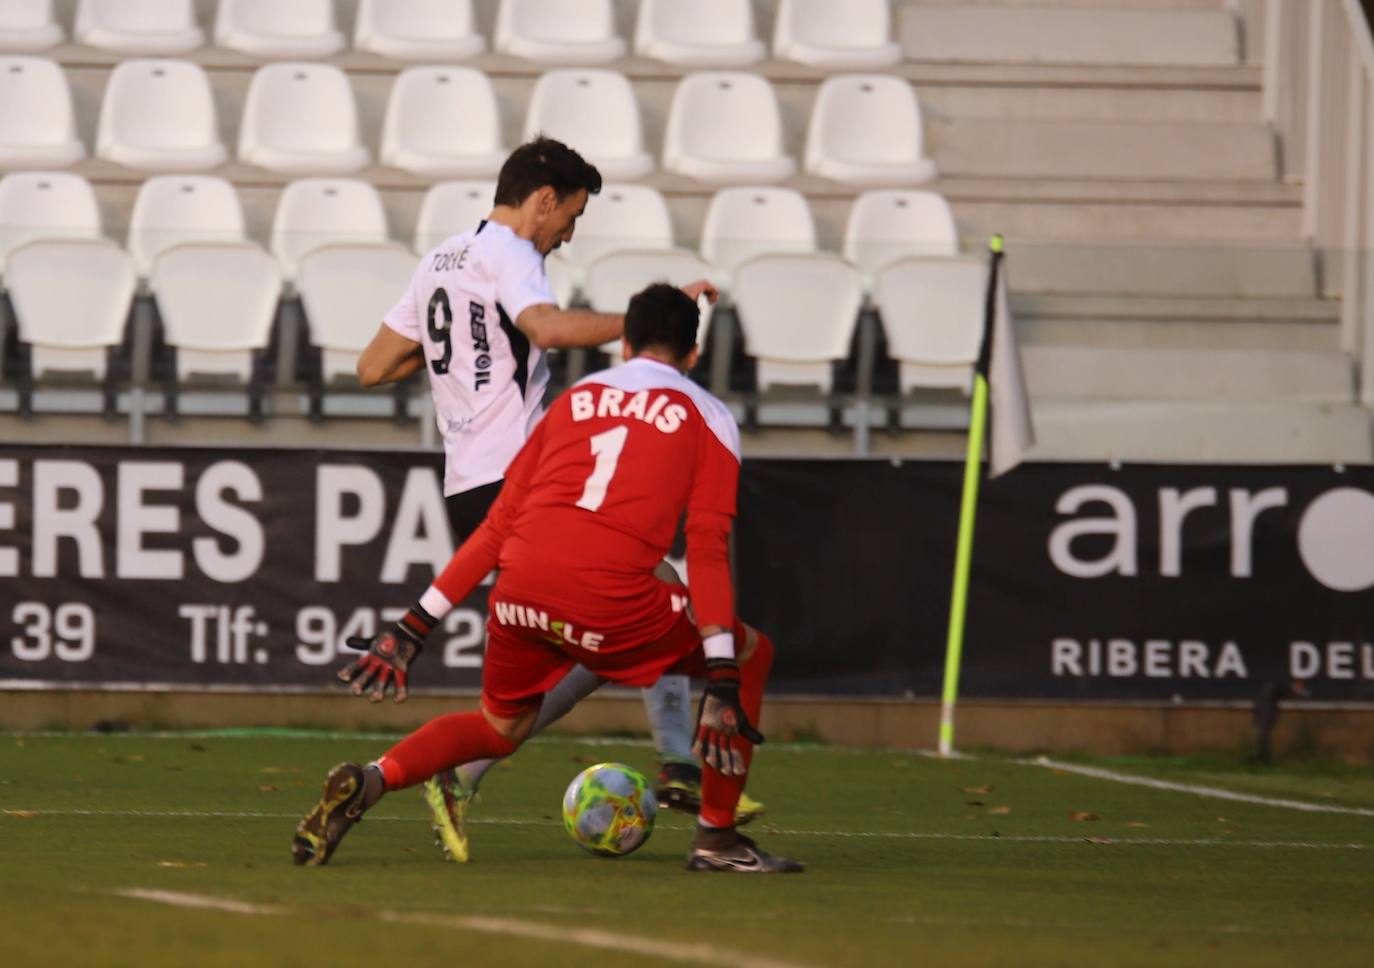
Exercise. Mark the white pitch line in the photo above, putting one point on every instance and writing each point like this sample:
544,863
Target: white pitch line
698,953
930,835
203,902
1218,793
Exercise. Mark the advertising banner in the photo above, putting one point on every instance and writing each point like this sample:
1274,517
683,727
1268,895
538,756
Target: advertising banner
129,567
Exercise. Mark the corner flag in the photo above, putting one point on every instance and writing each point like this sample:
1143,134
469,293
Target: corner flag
997,373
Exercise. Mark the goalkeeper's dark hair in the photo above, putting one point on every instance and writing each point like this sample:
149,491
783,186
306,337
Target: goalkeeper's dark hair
662,317
544,161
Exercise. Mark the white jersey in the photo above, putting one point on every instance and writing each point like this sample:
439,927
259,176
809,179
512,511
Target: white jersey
487,379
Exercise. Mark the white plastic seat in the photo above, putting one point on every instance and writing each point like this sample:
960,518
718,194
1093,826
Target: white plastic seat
301,119
147,27
437,30
854,35
443,122
797,314
866,130
886,225
28,25
450,208
595,112
346,289
559,31
217,301
704,33
616,276
273,28
741,223
177,209
37,123
315,212
620,217
932,312
45,205
725,126
159,115
71,298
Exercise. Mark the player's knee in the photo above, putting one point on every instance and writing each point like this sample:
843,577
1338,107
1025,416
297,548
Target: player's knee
755,647
510,731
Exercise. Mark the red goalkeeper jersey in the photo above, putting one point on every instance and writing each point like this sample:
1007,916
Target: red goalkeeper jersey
592,501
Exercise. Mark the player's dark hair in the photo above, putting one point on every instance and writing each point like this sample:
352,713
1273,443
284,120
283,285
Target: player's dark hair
663,317
544,161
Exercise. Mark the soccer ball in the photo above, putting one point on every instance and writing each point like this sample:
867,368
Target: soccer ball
609,809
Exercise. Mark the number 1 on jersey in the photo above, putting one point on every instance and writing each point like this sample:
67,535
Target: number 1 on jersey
606,448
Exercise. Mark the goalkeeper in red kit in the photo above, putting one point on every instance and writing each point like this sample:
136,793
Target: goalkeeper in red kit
587,512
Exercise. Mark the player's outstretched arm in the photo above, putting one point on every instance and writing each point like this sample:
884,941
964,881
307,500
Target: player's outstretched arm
389,358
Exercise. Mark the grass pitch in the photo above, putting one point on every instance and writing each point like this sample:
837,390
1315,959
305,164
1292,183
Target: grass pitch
981,861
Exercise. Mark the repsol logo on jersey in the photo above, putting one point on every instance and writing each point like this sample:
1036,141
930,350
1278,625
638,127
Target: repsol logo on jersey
656,409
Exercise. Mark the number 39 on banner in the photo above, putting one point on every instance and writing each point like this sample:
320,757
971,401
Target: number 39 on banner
66,631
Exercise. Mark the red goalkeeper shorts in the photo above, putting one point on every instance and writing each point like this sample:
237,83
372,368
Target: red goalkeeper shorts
530,647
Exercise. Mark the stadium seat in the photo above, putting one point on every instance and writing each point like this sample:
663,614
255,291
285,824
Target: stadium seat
27,25
621,217
176,209
71,298
217,301
866,130
146,27
45,205
301,119
854,35
559,31
741,223
797,314
616,276
595,111
707,33
37,124
435,30
274,29
159,115
450,208
889,224
725,127
932,313
346,289
443,122
314,212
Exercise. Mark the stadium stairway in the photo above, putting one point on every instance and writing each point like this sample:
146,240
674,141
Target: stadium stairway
1168,304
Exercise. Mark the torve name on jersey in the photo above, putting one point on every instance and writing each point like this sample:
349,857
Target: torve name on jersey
656,409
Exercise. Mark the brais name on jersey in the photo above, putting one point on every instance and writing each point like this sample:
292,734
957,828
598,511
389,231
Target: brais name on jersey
656,409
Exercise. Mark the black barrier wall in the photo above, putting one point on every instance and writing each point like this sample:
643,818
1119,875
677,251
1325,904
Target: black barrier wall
249,568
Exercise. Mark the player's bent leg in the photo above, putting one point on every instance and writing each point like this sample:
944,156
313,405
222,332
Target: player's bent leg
450,793
717,845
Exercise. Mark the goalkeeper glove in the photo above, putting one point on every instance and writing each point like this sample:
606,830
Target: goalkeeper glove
389,654
721,721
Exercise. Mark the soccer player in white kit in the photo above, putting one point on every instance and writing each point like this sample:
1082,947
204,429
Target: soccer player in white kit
480,315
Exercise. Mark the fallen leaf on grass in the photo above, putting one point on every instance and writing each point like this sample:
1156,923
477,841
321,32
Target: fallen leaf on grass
269,788
1136,823
998,810
978,789
25,814
1082,816
973,803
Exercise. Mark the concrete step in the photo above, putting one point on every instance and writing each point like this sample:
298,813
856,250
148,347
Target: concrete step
1071,221
1022,34
1191,431
1162,270
1077,4
1135,373
940,102
1104,149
